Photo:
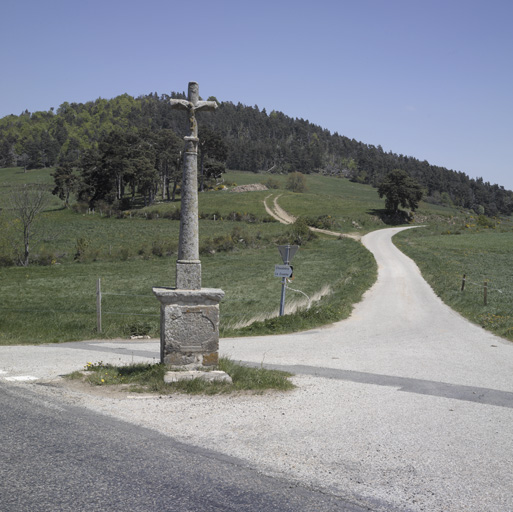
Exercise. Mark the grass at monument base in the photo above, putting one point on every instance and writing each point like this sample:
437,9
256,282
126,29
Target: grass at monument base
56,303
144,378
484,254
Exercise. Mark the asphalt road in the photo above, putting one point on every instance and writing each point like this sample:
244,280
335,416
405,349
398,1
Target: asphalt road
56,457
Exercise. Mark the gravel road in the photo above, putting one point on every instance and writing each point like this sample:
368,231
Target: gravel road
404,406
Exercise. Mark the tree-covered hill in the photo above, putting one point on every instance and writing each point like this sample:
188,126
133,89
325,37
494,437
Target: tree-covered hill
77,135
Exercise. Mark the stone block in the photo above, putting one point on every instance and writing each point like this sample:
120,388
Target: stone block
188,275
189,327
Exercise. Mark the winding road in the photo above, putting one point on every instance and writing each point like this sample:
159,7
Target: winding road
405,406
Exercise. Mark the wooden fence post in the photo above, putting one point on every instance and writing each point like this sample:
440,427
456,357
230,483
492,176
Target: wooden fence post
463,282
98,306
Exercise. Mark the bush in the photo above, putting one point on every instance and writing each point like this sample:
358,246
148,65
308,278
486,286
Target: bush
300,233
296,182
272,183
322,222
6,260
172,214
238,237
81,246
485,222
153,214
124,254
141,328
80,207
45,258
160,248
104,208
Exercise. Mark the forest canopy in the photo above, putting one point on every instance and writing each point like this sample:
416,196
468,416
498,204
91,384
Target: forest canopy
109,149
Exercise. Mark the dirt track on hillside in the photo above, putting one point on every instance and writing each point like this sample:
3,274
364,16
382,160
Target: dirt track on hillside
278,213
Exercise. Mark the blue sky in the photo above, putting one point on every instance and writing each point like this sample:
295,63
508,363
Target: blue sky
429,79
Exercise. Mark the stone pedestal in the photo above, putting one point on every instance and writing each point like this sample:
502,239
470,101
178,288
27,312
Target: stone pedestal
189,327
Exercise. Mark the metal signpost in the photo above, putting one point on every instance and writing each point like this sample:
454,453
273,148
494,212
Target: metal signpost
287,253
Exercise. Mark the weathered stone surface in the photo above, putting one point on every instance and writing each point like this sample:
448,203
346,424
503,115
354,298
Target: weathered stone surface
213,376
188,275
189,315
205,296
211,359
189,327
188,269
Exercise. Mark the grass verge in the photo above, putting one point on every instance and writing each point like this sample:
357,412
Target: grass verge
47,304
149,378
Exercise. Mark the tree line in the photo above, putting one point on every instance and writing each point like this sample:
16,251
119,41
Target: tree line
111,150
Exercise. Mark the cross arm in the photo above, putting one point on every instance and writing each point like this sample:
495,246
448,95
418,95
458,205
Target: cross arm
205,105
181,104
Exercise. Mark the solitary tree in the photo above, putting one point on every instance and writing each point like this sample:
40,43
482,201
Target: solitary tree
400,189
27,202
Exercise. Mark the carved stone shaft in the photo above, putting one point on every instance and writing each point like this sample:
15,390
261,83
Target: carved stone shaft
188,265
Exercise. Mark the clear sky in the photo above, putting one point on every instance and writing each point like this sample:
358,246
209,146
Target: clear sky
431,79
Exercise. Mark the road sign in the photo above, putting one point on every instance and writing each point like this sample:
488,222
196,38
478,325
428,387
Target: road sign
287,252
282,270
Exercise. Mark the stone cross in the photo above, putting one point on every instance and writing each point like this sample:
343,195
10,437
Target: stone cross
188,265
189,314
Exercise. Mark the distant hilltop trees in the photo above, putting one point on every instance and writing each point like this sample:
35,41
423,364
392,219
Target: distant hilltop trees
109,148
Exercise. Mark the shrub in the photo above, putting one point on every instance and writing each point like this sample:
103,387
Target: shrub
160,248
322,222
172,214
485,222
80,207
6,260
45,258
300,233
272,183
81,246
103,208
124,253
296,182
140,328
153,214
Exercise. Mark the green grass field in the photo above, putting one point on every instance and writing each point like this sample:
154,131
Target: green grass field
58,302
482,256
55,300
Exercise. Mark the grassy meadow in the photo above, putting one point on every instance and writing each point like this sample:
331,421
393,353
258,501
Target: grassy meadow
482,254
54,299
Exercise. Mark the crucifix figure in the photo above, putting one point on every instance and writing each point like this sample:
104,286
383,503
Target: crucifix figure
193,105
188,265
